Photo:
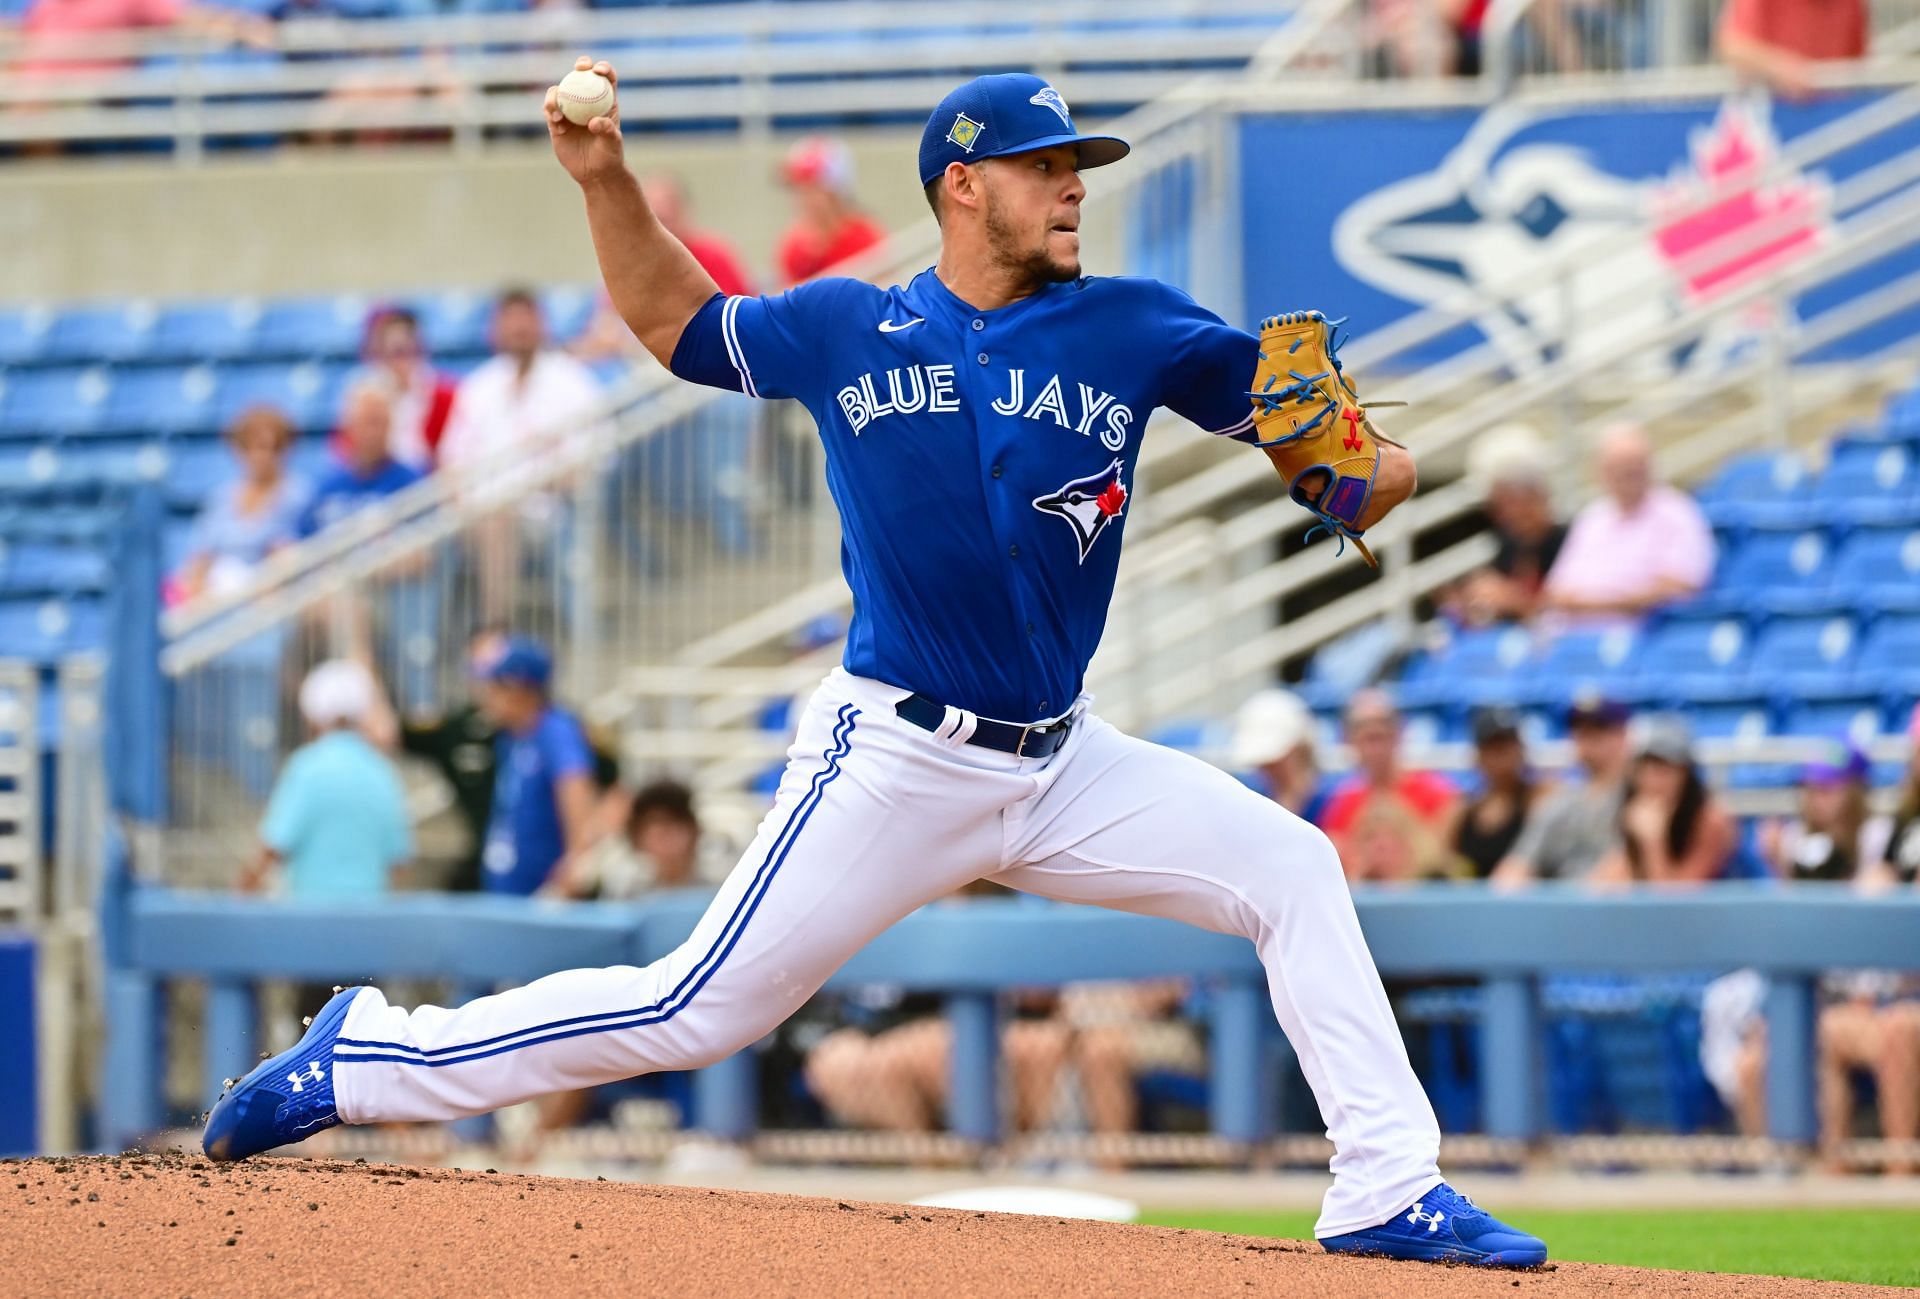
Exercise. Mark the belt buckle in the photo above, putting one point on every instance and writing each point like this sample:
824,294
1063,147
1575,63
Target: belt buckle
1020,749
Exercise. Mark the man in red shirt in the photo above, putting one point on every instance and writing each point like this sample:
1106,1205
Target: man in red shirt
1386,821
1777,42
828,228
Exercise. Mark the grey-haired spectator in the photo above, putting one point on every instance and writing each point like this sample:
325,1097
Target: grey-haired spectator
1672,827
1487,826
1512,464
1273,742
1576,827
337,824
1640,545
1835,837
366,471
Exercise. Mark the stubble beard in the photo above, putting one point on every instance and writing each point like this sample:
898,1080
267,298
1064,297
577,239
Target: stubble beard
1031,268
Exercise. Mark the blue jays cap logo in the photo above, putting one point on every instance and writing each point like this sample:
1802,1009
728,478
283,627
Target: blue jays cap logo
1048,97
964,131
1088,505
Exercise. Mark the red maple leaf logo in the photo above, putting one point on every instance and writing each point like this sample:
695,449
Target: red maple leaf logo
1717,227
1113,499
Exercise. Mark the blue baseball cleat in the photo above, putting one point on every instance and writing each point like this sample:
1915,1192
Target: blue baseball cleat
1444,1226
287,1099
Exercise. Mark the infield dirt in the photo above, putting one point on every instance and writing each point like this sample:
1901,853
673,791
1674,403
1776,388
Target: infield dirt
175,1225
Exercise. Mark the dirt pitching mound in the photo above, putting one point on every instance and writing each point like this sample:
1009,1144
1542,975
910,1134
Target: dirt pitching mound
172,1225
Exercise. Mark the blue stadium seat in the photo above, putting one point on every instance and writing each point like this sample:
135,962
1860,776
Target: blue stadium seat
1858,717
1730,719
306,390
1879,568
1756,488
456,322
23,334
163,401
1863,476
1889,655
568,309
1472,667
48,630
1693,658
194,471
205,331
51,568
119,331
300,328
66,402
1805,656
1779,572
1902,416
1578,662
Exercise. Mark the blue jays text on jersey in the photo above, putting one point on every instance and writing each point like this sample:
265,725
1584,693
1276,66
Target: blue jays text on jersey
982,461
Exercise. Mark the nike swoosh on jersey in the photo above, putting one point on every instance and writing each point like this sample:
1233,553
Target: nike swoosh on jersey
888,327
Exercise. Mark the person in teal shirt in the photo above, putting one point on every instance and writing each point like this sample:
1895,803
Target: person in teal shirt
336,824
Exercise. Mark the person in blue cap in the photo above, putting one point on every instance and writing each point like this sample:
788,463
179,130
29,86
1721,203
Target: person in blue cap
981,425
543,786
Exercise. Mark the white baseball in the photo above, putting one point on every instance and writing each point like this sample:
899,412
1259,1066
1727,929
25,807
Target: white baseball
584,95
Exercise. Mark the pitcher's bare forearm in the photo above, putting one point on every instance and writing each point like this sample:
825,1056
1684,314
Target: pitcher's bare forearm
655,283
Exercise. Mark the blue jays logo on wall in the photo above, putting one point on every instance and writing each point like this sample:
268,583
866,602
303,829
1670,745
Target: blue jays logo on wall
1087,505
1693,200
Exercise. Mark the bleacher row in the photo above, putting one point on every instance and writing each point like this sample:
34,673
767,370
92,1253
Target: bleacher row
96,396
1810,627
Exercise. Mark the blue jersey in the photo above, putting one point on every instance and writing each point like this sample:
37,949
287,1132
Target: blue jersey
982,461
525,835
344,489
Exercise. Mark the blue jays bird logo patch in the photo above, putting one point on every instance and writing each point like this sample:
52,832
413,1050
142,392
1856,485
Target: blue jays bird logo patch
964,131
1048,97
1088,505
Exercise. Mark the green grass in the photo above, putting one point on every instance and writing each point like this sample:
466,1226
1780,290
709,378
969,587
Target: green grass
1881,1246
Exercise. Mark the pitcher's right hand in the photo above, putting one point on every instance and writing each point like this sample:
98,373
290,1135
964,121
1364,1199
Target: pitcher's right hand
592,152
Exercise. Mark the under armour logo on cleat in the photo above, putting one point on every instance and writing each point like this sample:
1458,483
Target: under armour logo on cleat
314,1074
1433,1220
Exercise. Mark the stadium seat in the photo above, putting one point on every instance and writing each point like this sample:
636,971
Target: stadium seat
65,402
1731,719
1777,572
91,334
163,401
568,309
205,331
1757,488
1693,658
1902,417
305,328
1860,718
23,334
47,630
1889,656
307,391
1794,646
456,322
1577,662
1879,569
51,568
1472,667
1869,482
193,472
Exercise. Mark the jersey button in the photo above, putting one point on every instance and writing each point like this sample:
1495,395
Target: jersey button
982,358
979,324
996,471
1029,629
1013,552
1044,705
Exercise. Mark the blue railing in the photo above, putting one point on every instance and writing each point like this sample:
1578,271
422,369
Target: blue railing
969,951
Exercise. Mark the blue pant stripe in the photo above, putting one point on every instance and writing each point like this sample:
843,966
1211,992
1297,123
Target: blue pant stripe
682,993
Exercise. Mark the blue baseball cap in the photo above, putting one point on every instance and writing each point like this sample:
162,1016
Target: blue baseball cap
1008,112
520,661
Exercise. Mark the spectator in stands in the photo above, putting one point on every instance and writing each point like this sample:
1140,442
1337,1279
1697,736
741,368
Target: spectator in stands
1121,1031
1641,545
828,227
1388,823
367,471
544,793
1901,860
1273,743
606,335
1835,837
1486,827
1513,465
1425,38
1777,42
1672,827
421,396
251,516
528,398
1574,828
336,825
892,1073
660,846
54,31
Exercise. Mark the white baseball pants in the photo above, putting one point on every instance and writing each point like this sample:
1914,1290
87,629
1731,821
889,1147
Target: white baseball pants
875,817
